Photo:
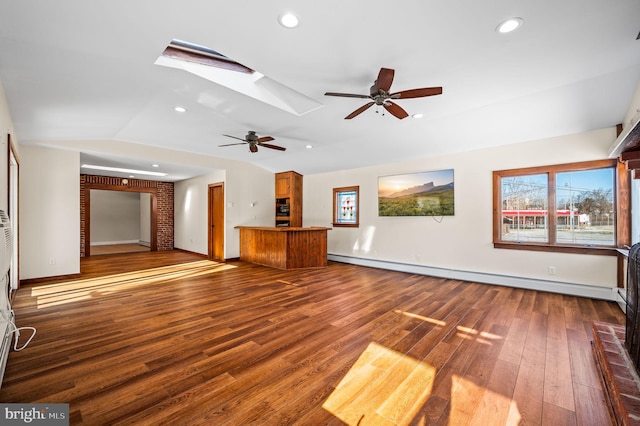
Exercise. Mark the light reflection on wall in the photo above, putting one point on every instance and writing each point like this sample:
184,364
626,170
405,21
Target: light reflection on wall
187,200
364,243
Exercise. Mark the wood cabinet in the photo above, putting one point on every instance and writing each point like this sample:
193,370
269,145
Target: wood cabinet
288,207
284,247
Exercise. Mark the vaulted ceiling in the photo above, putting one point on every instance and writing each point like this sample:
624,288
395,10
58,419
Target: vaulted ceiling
76,70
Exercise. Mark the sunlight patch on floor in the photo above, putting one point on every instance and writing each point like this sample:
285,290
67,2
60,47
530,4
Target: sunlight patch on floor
84,289
382,386
476,405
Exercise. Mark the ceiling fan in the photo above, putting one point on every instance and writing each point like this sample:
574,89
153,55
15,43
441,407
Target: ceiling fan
380,96
254,141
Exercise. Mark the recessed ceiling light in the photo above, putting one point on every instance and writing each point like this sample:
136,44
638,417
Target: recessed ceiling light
155,165
180,109
309,146
509,25
418,115
288,20
120,170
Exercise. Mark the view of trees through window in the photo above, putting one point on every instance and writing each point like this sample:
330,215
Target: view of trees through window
583,206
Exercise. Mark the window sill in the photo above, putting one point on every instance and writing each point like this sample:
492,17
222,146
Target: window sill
601,251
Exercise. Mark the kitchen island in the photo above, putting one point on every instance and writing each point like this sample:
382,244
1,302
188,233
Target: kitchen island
284,247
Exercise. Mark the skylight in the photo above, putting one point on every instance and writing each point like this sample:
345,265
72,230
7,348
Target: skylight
218,68
189,52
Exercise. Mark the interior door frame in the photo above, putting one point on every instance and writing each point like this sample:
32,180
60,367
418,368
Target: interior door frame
107,187
211,249
13,207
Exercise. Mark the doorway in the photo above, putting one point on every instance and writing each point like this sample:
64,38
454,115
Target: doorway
216,221
90,182
14,276
120,222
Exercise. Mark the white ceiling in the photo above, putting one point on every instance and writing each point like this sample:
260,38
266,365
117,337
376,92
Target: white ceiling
78,70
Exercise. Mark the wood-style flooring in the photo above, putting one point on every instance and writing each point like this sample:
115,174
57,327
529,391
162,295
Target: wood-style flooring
138,342
117,248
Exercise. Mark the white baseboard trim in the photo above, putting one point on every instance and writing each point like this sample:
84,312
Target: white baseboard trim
594,292
109,243
144,243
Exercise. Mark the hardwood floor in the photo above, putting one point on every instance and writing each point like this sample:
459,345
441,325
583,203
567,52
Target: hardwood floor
117,248
237,344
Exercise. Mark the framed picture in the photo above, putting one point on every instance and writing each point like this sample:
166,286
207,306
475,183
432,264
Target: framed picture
416,194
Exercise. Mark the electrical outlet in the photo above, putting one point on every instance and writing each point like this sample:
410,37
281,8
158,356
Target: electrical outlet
552,270
52,261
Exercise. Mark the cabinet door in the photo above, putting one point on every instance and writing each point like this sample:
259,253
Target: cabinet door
283,186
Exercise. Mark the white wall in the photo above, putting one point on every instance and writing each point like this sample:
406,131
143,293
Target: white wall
115,217
462,243
145,219
244,185
49,212
6,127
190,199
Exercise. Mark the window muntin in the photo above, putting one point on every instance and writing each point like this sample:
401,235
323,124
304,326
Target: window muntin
588,204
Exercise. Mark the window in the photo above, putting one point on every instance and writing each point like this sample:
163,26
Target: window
575,207
345,206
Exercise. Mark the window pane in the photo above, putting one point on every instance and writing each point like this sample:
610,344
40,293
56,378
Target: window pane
585,207
524,208
346,207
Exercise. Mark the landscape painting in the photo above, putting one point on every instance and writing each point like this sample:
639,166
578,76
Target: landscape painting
416,194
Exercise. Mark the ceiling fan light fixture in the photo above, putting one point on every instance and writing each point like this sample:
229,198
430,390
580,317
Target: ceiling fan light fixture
288,20
509,25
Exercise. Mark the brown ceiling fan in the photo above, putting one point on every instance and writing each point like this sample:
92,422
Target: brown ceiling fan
254,141
380,96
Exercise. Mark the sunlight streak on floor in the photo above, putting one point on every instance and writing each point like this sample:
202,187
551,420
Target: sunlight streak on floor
483,337
77,290
422,318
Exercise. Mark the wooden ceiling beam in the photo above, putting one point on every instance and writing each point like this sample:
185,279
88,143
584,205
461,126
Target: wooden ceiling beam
630,155
633,164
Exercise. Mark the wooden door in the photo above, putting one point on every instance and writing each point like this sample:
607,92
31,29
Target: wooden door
216,221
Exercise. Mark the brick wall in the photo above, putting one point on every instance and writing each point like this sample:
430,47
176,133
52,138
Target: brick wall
165,216
161,193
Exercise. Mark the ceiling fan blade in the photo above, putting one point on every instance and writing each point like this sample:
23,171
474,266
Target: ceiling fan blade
395,110
385,78
417,93
231,144
233,137
359,110
268,145
265,139
347,95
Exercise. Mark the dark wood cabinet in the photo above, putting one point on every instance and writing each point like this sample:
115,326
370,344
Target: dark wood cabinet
288,206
